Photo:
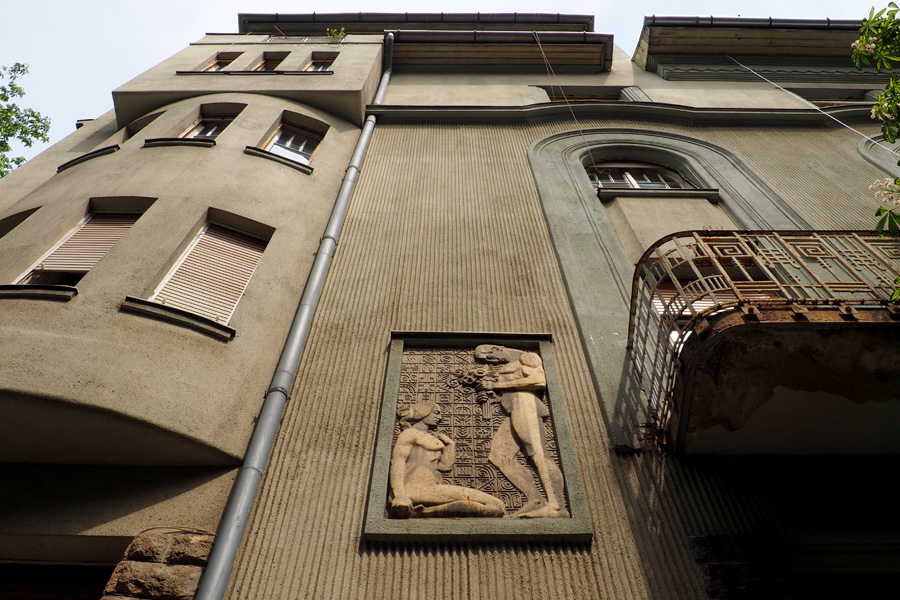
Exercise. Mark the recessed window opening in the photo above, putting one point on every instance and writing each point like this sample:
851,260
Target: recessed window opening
575,93
207,127
222,60
295,143
80,250
212,119
138,124
133,128
270,61
212,274
635,175
321,61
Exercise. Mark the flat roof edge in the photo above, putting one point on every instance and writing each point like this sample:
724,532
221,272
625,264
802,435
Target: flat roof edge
750,22
586,21
461,36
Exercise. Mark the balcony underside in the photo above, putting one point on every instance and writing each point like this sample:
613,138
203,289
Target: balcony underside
781,381
53,431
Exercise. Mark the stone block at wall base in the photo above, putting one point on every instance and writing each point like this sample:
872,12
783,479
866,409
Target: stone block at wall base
160,566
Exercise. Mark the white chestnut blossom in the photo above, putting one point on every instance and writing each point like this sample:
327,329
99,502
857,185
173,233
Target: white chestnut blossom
887,191
867,45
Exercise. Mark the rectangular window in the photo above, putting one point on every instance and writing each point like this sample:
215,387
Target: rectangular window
222,60
321,61
207,127
270,61
294,143
80,250
210,277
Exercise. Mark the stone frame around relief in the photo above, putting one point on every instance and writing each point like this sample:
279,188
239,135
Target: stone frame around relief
379,527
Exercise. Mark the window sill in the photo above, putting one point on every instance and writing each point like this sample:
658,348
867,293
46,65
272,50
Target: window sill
202,142
61,293
87,157
612,193
177,316
254,151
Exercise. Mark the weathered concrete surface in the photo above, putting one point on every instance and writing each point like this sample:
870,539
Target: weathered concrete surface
796,386
83,382
102,508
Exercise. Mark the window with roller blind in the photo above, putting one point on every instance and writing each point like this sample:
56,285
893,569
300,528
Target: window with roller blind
79,250
210,277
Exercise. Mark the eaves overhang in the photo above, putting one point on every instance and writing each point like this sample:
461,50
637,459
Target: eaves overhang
792,40
503,50
366,22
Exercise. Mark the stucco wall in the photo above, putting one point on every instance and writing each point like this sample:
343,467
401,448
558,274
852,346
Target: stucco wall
344,91
131,383
437,88
455,241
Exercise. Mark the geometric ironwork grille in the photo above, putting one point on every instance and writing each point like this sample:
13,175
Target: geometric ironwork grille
687,276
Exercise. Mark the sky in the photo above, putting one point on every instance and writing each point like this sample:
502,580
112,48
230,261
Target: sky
79,51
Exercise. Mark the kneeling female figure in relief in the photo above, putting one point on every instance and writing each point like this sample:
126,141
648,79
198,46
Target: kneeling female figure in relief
418,457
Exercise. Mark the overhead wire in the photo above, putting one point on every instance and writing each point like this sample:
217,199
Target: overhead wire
554,82
811,105
551,76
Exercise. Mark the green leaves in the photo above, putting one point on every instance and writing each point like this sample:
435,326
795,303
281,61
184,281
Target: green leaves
25,125
890,219
879,42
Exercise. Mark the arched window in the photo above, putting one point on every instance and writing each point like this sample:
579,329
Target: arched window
635,175
597,243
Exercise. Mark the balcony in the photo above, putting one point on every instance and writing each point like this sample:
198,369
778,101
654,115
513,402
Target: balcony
769,342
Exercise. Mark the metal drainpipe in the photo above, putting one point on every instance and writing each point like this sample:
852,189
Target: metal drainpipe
214,582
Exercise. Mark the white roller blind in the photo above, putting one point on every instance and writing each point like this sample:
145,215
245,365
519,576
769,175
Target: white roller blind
213,274
84,248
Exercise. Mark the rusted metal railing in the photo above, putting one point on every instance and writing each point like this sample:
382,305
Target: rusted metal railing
686,277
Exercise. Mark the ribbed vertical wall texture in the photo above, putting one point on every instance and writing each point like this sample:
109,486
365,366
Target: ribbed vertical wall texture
445,233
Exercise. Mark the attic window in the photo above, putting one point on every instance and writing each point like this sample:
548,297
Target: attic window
320,62
220,61
635,175
270,61
207,127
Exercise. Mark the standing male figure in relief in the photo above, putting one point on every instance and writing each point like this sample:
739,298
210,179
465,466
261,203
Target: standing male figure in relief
519,381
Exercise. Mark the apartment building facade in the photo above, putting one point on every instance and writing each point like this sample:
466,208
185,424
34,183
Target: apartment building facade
458,305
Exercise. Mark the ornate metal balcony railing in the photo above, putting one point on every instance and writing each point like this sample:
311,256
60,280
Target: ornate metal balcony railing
687,277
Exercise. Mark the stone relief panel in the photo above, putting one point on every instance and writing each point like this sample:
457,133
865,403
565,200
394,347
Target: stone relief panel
475,433
473,443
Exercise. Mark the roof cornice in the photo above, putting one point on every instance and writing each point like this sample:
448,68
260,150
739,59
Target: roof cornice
365,22
750,22
644,111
